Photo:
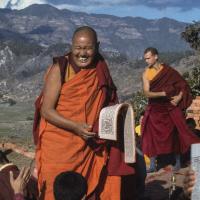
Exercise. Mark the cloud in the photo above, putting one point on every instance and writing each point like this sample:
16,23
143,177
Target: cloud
158,4
19,4
87,5
161,4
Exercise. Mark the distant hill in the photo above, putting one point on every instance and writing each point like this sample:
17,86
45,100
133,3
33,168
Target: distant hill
47,25
30,37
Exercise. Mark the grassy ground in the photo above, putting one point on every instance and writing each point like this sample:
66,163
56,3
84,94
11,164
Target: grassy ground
16,127
16,124
19,159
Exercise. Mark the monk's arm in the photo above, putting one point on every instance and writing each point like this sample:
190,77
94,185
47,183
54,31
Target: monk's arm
146,89
48,110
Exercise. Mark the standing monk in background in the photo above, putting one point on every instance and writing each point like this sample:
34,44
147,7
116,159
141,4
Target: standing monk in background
77,87
164,128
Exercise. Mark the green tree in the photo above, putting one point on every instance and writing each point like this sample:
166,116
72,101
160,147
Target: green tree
192,35
193,79
139,102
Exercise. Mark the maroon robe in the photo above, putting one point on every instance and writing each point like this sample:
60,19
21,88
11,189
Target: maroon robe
164,129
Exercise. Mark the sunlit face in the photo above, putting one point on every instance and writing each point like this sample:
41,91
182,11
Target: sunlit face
84,48
150,58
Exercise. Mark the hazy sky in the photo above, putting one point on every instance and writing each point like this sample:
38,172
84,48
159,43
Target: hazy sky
181,10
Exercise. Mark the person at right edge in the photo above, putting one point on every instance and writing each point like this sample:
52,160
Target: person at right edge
164,128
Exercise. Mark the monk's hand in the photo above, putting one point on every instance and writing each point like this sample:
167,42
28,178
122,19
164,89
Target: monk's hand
84,131
18,185
176,99
189,182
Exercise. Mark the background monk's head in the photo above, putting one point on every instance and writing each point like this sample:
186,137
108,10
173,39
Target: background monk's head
84,46
151,56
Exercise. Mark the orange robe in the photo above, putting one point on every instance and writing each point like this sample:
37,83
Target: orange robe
61,150
152,72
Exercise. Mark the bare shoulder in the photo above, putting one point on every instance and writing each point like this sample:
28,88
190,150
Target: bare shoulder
53,72
53,80
55,68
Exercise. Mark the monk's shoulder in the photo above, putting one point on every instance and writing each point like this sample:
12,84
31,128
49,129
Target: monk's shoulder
171,69
59,59
53,72
145,72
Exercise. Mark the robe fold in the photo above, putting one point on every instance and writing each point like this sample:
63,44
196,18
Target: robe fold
81,99
164,129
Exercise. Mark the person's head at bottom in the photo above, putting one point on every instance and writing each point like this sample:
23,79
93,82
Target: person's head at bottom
70,185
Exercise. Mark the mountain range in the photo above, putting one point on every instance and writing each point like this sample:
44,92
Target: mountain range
31,36
47,25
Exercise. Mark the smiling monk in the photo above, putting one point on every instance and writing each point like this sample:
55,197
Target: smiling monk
67,139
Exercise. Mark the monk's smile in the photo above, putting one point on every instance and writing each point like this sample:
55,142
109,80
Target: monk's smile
83,49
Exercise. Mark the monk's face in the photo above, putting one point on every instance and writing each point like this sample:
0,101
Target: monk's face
150,58
84,48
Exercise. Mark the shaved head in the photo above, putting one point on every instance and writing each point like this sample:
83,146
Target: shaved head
85,30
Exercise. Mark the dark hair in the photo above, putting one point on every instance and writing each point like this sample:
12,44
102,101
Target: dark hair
3,158
153,50
69,186
191,122
86,28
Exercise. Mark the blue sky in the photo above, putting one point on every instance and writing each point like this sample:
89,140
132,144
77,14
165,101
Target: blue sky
181,10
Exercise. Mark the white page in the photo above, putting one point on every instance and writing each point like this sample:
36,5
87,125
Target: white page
195,161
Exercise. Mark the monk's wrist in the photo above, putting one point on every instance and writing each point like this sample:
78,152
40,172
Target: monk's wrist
18,191
72,126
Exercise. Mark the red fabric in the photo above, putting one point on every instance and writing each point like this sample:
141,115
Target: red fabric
170,81
6,192
164,129
18,197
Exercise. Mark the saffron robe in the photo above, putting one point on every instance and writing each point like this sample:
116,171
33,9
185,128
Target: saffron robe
81,99
164,129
